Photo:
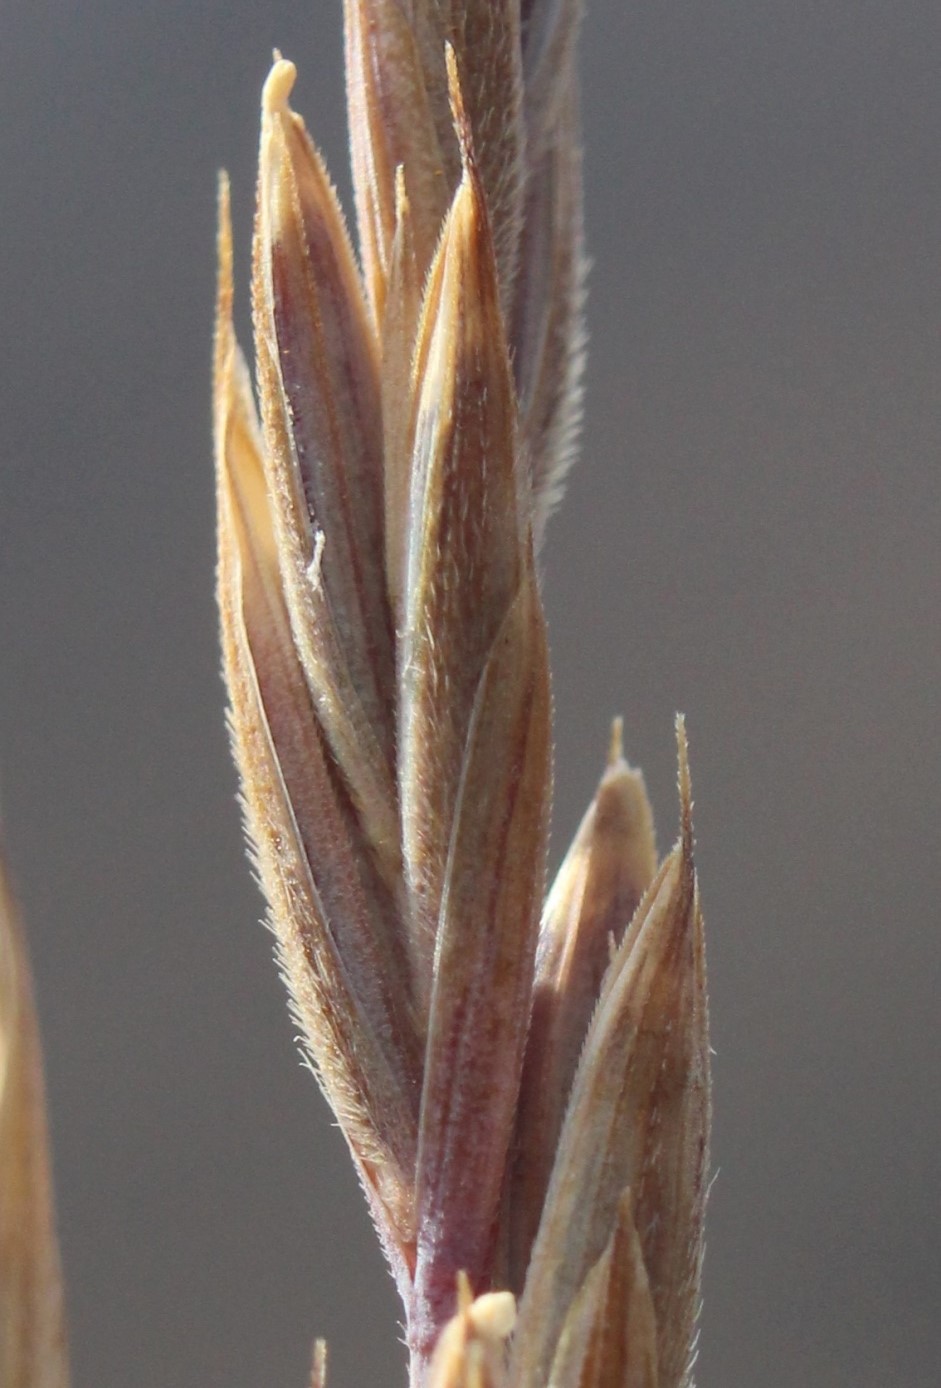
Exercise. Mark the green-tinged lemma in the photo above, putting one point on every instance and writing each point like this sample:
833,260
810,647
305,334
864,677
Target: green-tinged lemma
524,1088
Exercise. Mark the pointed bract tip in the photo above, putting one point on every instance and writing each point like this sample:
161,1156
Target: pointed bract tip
401,194
224,290
683,781
278,86
616,743
462,125
224,234
318,1372
223,201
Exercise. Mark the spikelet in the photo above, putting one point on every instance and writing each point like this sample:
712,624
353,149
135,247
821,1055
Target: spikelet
638,1118
596,892
523,1085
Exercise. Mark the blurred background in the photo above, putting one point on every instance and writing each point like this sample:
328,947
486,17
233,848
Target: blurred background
751,536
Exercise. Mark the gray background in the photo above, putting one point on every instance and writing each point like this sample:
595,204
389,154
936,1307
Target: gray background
752,536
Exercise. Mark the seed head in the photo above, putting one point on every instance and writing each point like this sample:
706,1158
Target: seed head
523,1086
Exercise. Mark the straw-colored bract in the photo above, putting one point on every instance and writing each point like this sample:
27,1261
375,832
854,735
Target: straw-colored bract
32,1322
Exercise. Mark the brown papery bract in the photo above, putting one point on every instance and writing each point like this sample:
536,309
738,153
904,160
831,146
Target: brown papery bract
609,1336
319,375
399,329
335,921
475,757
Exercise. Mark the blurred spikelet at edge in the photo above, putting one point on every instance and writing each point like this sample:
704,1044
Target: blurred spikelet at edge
32,1325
